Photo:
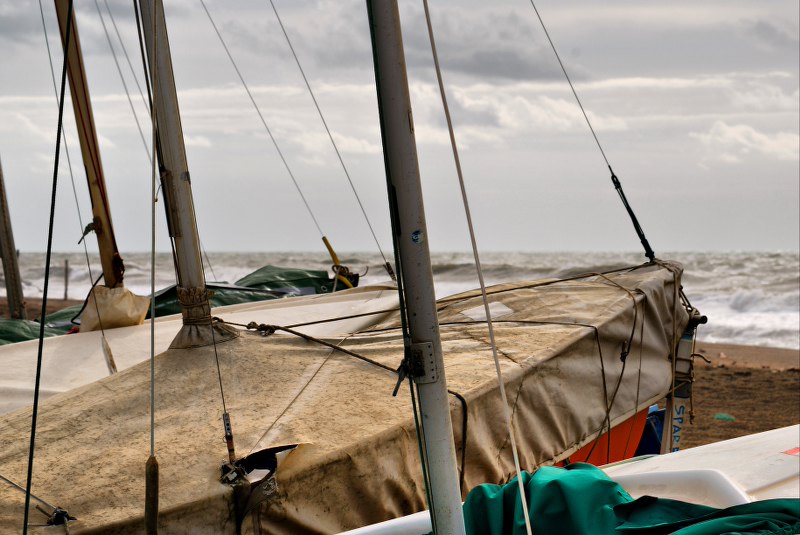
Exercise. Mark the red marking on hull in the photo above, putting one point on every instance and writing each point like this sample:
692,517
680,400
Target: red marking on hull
616,445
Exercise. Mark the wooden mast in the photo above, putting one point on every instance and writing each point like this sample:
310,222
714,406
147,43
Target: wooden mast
409,227
8,252
177,187
113,267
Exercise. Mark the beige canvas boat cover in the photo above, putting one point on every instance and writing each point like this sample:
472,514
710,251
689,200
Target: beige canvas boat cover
357,459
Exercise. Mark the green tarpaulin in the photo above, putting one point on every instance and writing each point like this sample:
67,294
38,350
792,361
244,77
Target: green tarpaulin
581,500
268,282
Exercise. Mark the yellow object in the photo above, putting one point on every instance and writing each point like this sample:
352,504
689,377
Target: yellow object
344,280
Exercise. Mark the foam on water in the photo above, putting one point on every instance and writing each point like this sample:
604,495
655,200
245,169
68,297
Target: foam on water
749,298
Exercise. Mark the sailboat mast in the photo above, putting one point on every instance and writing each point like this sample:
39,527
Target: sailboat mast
8,252
113,267
177,185
400,154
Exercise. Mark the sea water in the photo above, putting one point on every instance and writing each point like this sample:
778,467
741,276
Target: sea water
749,298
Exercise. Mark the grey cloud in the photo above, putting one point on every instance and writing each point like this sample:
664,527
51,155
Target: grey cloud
484,44
772,36
17,27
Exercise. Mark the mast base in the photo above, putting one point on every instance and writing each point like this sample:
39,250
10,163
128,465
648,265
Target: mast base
199,328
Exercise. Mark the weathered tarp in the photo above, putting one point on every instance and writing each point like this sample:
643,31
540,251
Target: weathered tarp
357,461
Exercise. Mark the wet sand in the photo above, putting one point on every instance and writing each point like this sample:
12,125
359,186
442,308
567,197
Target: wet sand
743,390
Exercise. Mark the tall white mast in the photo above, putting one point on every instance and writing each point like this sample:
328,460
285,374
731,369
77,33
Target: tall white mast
177,187
400,154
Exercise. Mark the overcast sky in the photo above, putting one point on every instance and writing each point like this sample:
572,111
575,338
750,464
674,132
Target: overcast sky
695,103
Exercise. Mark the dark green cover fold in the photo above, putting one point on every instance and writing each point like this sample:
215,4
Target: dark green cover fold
581,500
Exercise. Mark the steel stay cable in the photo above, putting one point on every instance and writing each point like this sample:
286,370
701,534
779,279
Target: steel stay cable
35,410
263,121
125,52
617,185
121,77
325,124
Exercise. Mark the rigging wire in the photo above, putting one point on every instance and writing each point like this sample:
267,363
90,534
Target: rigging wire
487,311
330,136
35,410
648,251
121,77
263,121
125,52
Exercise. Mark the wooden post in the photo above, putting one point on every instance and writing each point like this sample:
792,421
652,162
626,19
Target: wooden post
8,252
66,279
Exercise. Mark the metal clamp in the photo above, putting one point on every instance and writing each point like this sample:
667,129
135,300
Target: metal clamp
423,363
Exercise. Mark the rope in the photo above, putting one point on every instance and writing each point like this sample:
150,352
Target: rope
501,384
266,330
17,487
261,116
648,251
330,136
638,381
35,411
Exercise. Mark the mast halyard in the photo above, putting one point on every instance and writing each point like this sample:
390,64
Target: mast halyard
8,252
177,187
409,227
113,266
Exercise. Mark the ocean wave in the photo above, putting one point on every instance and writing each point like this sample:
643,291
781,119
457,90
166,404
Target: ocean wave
750,298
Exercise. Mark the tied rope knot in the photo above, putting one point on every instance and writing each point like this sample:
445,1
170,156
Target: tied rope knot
196,309
263,328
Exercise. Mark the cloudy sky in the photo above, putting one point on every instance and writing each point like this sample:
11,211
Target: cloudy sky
695,103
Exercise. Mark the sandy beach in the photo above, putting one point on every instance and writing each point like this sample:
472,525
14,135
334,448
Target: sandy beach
741,390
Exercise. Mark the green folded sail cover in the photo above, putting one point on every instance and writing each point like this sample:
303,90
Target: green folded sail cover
297,281
268,282
15,330
581,500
